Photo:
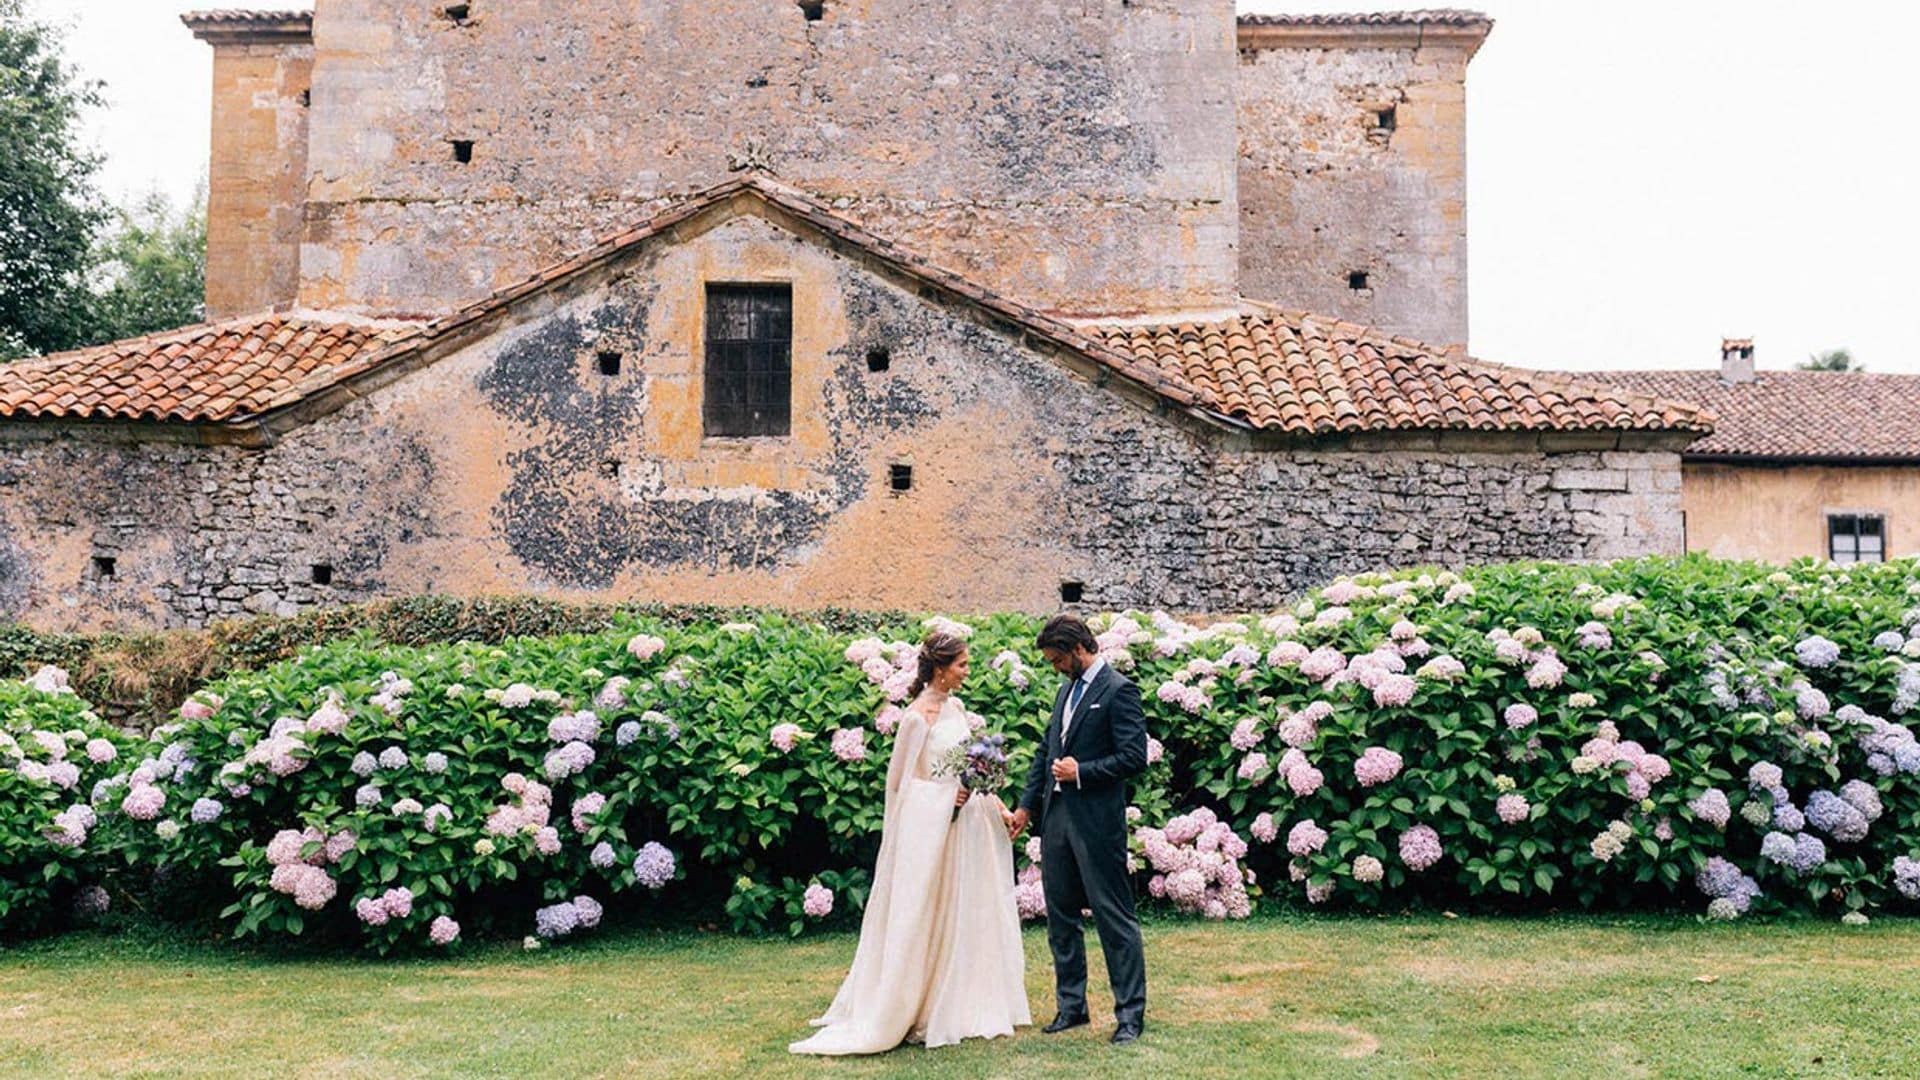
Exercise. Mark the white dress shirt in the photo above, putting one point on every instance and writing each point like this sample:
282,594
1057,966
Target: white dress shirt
1066,716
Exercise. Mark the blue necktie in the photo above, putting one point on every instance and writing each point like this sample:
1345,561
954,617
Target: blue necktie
1066,718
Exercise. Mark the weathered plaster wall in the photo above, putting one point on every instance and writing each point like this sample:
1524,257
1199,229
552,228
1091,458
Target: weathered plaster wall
257,176
1779,512
1074,154
1326,191
513,464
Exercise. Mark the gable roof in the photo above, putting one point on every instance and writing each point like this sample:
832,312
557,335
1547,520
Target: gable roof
1263,370
1840,416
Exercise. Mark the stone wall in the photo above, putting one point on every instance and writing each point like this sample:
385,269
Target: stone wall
257,177
1074,154
1353,161
514,464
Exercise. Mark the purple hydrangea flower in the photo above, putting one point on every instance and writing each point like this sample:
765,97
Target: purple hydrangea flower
205,811
654,865
1835,816
1816,652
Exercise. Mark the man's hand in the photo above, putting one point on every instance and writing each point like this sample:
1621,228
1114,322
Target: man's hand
1066,770
1016,823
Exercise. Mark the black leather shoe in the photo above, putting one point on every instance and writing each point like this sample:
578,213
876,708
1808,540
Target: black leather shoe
1062,1022
1125,1033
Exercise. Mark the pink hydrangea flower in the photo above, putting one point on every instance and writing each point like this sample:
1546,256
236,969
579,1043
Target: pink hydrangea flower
1264,829
1287,654
887,720
850,744
1305,838
1253,767
1323,663
1154,750
1304,780
1298,731
1420,847
144,802
1246,735
1393,691
1368,869
1376,765
195,709
1512,808
1520,716
818,901
444,931
645,647
784,736
1547,671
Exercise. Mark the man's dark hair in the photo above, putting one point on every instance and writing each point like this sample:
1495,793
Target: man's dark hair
1067,633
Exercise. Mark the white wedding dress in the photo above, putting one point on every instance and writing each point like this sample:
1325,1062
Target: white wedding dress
939,958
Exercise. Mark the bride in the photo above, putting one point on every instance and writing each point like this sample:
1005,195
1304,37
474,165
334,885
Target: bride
939,958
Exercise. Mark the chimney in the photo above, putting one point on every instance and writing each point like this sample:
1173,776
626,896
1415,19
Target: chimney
1736,360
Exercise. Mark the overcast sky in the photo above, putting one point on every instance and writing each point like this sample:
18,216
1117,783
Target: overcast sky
1645,176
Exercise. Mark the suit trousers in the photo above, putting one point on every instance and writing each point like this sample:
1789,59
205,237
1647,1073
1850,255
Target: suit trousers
1090,872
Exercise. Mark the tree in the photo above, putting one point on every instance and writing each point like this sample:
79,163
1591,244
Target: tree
149,270
48,209
1830,360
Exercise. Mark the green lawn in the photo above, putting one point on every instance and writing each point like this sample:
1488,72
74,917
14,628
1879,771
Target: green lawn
1272,997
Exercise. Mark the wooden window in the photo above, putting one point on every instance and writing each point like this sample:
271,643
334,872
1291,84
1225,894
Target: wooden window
1856,538
749,377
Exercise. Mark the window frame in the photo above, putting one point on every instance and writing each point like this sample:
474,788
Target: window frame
1836,530
743,375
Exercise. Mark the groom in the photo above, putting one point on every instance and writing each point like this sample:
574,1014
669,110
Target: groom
1076,796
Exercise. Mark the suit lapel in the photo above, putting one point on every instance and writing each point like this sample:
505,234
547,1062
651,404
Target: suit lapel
1094,692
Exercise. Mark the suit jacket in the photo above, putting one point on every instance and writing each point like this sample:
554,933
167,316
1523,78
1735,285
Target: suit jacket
1108,738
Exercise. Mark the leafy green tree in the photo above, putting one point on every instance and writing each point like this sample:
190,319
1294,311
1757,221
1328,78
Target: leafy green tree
1830,360
48,208
149,270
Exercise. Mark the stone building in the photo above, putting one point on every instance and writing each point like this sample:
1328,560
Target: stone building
1800,463
827,303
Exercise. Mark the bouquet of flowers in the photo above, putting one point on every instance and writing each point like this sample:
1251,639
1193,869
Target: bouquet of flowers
980,765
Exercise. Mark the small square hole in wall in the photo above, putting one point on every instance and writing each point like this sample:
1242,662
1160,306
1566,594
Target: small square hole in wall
1385,119
462,150
1357,280
879,359
323,573
1071,592
609,363
813,9
459,12
610,469
306,99
900,477
103,566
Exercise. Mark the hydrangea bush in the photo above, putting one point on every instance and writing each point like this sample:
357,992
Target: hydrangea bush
1713,736
53,752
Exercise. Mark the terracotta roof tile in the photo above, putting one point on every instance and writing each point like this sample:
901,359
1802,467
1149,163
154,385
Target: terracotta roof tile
207,373
1422,17
1793,414
1295,373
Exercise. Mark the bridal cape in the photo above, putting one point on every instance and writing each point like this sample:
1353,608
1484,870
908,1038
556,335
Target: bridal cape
939,958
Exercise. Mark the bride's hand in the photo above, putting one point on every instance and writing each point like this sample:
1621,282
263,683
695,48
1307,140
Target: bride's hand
960,799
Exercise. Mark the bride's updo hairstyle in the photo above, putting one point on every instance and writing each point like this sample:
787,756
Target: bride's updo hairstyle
937,650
